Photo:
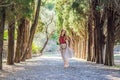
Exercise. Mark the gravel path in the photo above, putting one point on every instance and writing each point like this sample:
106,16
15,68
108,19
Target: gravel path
51,68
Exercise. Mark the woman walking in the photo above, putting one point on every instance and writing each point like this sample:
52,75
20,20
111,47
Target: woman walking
65,50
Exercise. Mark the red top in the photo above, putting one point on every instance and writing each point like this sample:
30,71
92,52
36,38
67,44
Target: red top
62,39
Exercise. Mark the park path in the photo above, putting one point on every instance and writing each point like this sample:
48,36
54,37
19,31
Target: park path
50,67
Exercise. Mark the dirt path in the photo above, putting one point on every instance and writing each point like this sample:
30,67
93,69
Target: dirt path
51,68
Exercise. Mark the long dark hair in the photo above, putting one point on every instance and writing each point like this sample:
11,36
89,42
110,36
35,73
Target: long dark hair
64,33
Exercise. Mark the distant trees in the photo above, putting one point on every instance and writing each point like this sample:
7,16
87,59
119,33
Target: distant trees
72,16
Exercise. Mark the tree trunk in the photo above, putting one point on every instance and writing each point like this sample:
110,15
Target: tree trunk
85,48
90,38
2,24
11,33
98,32
109,57
29,54
79,48
73,42
20,32
32,32
22,39
41,51
77,53
25,39
75,46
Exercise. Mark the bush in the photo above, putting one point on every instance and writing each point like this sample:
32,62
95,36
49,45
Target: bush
55,36
35,49
5,34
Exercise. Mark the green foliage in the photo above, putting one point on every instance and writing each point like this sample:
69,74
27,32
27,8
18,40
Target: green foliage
80,7
75,5
6,35
25,8
98,8
49,6
40,26
55,36
22,8
104,1
71,15
35,49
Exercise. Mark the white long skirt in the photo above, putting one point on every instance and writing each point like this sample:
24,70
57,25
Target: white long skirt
66,53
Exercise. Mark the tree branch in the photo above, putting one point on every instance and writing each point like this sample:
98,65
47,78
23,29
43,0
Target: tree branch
7,5
51,20
51,33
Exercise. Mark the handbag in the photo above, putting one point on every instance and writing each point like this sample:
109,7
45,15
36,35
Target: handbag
63,46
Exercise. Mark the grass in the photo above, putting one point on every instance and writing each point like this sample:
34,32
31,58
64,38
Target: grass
116,66
117,56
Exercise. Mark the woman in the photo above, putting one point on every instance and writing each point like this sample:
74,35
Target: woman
63,40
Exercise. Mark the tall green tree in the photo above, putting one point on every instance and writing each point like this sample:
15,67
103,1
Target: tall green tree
32,31
24,16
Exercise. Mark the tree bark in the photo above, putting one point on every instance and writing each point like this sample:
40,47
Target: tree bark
29,54
41,51
11,33
25,39
98,32
90,39
20,32
85,48
109,57
22,39
2,24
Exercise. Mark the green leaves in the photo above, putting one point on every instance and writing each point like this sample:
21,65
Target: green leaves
49,6
98,8
104,1
40,26
75,5
25,8
22,8
71,14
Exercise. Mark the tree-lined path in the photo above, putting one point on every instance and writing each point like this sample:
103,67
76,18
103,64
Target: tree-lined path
29,27
51,68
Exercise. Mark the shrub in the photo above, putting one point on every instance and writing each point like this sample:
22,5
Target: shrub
35,49
5,34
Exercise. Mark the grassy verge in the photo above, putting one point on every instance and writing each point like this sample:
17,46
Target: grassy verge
117,56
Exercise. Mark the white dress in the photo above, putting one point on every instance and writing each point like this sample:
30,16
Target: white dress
68,53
